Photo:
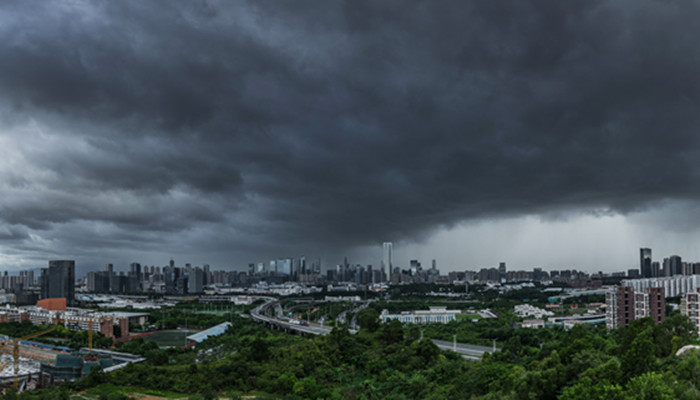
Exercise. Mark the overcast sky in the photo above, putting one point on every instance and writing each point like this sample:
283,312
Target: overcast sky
539,133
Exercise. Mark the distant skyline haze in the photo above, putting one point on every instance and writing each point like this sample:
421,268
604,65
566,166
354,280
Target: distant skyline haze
551,134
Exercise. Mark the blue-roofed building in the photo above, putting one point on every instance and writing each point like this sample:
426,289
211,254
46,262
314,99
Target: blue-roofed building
217,330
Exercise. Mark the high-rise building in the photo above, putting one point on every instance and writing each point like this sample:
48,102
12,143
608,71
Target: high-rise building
645,262
655,269
58,280
284,266
302,265
502,269
134,278
690,306
676,264
415,267
387,263
623,305
196,280
135,268
91,281
206,270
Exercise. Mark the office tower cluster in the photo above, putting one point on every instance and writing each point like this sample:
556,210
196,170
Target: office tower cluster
503,274
671,266
286,269
168,279
675,276
624,304
416,274
17,283
355,273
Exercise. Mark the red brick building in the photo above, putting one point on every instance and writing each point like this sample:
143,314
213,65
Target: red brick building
624,305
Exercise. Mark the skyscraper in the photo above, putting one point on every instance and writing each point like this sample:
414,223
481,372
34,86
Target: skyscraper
645,262
58,280
676,264
655,269
387,258
196,280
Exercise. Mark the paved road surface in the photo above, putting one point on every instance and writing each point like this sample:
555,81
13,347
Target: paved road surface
314,329
469,351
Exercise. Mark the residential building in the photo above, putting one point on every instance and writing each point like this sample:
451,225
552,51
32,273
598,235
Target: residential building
690,306
624,305
673,285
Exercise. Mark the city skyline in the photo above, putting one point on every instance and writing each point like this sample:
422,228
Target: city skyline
235,132
672,265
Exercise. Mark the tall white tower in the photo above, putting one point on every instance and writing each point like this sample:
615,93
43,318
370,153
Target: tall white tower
386,259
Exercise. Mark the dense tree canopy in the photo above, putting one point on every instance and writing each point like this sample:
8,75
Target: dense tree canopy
393,361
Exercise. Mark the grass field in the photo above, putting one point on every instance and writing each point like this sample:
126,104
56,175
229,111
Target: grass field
169,338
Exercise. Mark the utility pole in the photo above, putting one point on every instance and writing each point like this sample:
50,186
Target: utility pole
454,343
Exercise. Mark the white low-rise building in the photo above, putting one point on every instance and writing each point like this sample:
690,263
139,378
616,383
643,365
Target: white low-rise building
439,315
533,323
527,310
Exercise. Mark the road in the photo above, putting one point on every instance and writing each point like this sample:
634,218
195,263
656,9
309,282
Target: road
468,351
312,328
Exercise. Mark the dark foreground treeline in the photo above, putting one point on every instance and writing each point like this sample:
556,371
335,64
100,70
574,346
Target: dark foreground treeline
389,361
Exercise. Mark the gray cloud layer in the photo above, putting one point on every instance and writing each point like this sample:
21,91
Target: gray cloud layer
243,130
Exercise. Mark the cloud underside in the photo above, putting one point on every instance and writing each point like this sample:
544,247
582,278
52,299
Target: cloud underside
245,130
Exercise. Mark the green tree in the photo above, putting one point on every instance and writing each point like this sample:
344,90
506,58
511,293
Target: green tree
391,331
585,389
368,318
649,386
639,357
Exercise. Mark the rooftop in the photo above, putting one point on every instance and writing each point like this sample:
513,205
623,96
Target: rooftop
217,330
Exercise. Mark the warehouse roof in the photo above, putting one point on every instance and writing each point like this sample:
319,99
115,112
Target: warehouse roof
217,330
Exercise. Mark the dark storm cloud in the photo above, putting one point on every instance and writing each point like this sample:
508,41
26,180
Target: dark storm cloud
258,126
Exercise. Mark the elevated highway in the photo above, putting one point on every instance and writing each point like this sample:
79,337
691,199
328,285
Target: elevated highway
272,305
468,351
258,314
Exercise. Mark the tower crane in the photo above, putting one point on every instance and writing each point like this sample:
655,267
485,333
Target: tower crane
15,350
90,329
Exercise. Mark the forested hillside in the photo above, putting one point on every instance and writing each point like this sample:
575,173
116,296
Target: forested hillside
390,361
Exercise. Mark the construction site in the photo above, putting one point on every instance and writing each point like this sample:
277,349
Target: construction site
27,364
20,361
